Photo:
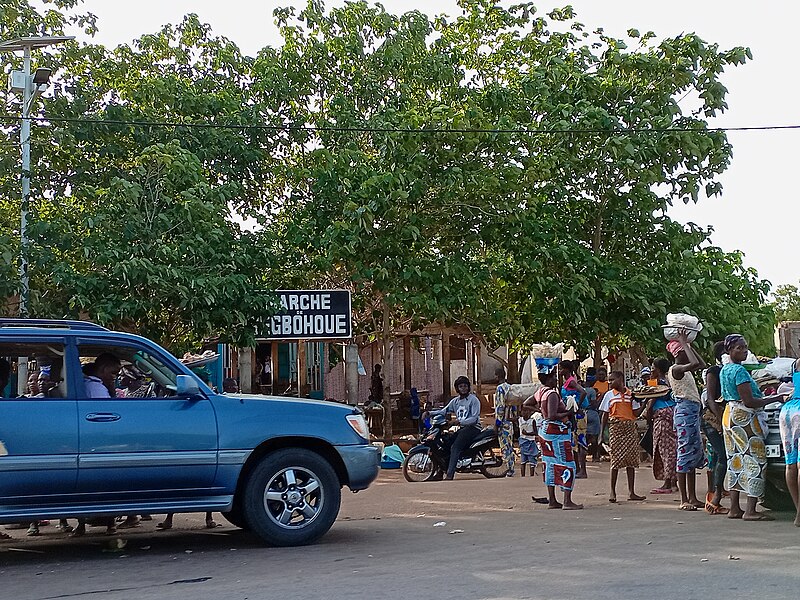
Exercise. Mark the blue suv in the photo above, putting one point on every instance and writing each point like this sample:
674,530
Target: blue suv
273,465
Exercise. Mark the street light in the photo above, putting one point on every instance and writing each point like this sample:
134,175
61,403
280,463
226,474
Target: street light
31,87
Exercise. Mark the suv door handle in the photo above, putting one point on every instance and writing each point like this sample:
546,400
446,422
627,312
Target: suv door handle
103,417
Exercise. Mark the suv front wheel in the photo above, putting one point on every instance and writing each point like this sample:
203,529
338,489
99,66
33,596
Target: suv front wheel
292,497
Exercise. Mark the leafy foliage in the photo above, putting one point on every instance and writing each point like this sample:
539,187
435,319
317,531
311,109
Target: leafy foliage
502,170
787,303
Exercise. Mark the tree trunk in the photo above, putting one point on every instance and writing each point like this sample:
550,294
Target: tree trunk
598,352
388,434
513,367
596,241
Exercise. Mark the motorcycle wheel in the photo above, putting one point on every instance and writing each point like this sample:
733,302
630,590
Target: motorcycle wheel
495,465
419,467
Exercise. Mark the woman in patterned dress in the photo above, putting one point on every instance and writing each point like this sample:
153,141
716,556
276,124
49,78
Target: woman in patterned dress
665,442
691,451
556,440
744,428
504,416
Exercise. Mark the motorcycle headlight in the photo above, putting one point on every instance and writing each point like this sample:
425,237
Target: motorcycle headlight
359,425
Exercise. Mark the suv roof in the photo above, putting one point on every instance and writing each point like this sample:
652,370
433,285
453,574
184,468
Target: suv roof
50,324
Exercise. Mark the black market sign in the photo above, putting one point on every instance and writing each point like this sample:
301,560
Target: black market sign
312,314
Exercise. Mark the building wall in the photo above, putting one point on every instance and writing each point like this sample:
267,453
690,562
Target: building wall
420,378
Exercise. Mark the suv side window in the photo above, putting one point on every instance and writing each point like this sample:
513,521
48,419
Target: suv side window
137,374
35,370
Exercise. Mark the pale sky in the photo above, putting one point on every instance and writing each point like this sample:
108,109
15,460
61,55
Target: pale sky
758,207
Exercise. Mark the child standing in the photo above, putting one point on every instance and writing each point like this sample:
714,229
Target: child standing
528,448
620,412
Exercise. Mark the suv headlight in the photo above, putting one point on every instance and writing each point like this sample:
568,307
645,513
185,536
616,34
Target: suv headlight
359,425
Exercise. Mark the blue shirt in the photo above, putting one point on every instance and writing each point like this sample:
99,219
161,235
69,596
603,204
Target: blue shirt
733,375
664,401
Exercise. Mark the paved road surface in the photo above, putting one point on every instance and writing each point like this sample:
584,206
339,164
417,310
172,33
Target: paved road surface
385,545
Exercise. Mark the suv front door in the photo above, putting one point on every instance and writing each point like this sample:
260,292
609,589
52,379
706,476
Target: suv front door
159,445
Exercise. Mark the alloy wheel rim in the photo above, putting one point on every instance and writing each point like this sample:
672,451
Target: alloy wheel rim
293,498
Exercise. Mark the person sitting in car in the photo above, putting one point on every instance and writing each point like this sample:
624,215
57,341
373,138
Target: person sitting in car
48,380
99,380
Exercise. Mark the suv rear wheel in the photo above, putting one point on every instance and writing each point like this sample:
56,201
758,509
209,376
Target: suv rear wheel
292,497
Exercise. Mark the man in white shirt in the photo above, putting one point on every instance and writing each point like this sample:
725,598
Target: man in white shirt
101,380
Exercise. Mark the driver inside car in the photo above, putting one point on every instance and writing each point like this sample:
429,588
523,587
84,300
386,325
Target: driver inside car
466,409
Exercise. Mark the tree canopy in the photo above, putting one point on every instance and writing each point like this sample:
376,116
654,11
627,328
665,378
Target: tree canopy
500,169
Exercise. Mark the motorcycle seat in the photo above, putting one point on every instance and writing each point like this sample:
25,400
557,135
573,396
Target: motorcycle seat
486,433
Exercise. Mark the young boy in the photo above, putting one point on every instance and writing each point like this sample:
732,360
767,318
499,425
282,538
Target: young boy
528,448
620,411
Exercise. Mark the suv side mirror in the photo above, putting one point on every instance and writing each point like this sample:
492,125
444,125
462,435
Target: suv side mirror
187,386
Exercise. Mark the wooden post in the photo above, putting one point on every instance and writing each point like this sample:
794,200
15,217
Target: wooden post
273,355
351,373
429,366
446,391
476,349
388,432
246,370
407,362
302,370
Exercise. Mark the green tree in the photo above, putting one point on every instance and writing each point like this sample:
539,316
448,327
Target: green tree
136,226
786,303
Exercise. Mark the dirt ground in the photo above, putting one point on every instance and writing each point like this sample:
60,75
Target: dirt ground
494,544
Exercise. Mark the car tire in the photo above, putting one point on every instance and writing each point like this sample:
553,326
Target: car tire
292,497
236,517
776,498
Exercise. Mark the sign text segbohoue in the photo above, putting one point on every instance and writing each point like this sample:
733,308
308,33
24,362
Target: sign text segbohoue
312,314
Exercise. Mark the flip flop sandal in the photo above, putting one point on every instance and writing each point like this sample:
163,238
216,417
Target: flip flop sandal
760,517
716,509
689,507
661,491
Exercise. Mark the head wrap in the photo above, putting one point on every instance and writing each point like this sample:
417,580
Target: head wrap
645,371
733,339
674,347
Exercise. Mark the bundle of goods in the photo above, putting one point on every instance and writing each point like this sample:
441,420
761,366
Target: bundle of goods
680,321
547,354
518,393
198,360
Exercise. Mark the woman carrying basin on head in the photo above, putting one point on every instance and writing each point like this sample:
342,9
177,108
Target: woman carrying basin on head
556,440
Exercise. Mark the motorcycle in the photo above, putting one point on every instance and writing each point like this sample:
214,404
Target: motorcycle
428,460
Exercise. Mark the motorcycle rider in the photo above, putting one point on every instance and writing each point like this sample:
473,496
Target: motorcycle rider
467,409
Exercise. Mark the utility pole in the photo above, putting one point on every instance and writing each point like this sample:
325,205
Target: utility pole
31,87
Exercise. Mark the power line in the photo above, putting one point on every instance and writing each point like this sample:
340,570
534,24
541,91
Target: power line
423,130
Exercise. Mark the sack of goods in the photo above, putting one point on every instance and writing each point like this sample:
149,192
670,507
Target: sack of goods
678,321
547,354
